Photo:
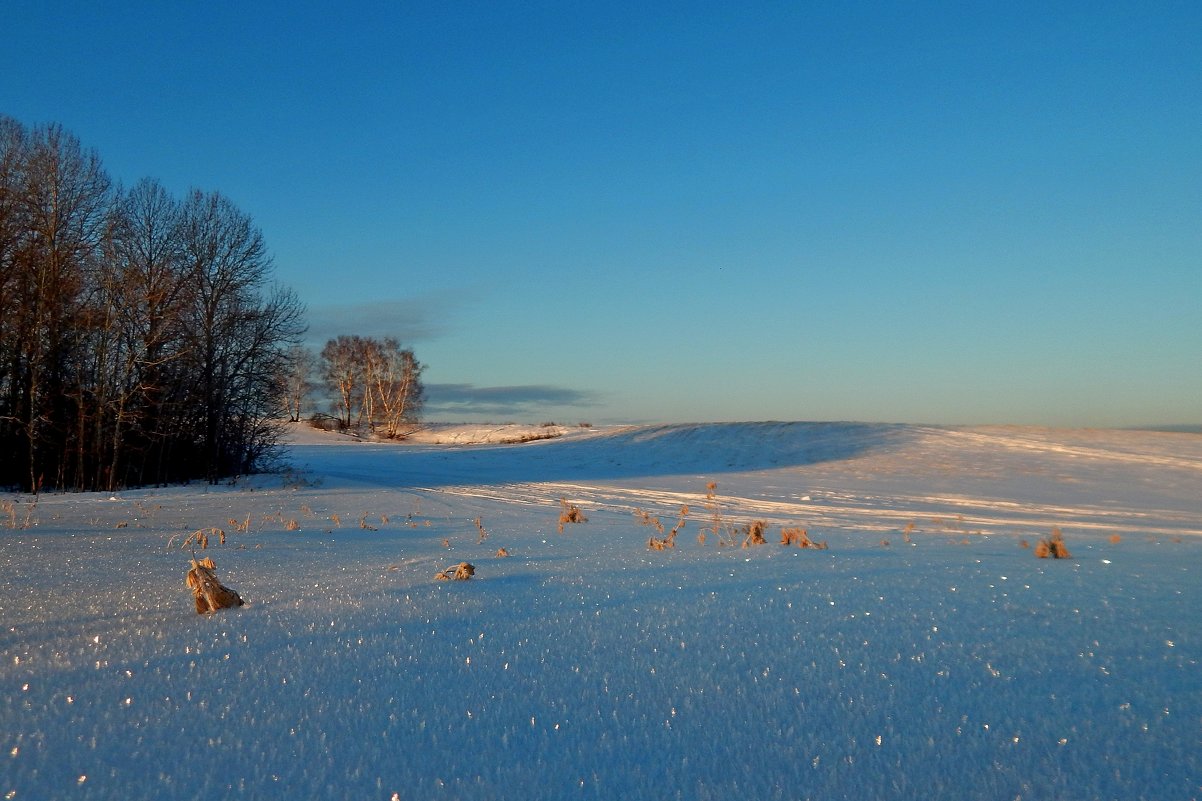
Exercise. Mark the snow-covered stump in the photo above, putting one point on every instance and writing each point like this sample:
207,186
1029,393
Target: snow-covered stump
210,594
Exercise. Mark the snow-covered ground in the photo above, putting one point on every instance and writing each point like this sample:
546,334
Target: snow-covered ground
955,665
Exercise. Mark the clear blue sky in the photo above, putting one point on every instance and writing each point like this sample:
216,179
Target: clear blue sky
927,212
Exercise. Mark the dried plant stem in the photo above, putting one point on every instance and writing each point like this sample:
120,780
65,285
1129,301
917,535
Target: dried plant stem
460,572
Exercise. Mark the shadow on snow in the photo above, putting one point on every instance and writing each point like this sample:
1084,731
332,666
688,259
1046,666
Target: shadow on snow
629,453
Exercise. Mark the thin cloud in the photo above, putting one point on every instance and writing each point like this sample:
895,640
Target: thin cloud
469,399
410,320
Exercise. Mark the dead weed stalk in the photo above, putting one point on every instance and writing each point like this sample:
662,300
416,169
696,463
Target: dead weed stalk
800,538
460,572
1053,546
569,513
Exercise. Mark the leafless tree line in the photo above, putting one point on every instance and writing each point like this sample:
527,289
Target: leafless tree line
141,340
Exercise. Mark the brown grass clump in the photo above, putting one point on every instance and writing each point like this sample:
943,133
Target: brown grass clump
240,526
569,513
647,519
209,593
502,553
460,572
200,538
753,533
292,525
1115,539
15,520
1053,546
483,534
661,543
363,524
800,538
726,534
336,520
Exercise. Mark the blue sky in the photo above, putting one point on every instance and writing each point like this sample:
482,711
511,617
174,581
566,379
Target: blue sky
919,212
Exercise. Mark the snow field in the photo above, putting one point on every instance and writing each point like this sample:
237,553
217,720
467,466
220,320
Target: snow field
585,665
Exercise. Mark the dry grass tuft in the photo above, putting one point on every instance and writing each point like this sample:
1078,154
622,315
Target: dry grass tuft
482,534
569,513
241,527
19,521
460,572
363,524
292,525
1053,546
753,533
336,520
661,543
200,538
724,532
209,593
647,519
502,553
1115,539
800,538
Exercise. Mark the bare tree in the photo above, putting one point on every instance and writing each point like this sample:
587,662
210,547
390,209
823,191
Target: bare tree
299,367
234,337
397,386
65,194
342,369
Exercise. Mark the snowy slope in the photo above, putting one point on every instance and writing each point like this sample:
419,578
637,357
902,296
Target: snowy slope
586,666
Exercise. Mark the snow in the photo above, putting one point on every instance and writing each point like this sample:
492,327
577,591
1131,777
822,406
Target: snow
587,666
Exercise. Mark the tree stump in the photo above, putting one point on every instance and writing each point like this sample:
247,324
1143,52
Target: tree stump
210,593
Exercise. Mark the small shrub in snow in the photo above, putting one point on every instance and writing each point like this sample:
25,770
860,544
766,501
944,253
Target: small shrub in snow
569,513
501,553
460,572
1053,546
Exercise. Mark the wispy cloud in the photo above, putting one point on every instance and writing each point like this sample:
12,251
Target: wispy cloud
409,320
469,399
